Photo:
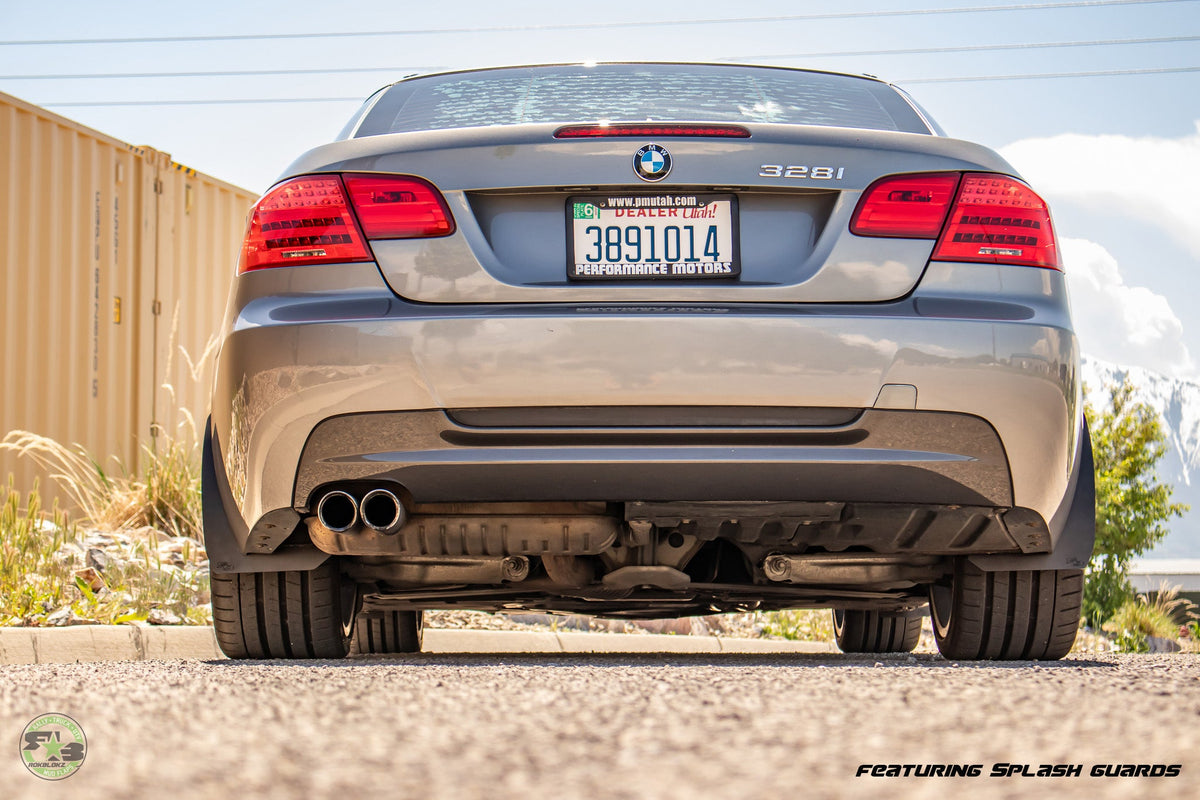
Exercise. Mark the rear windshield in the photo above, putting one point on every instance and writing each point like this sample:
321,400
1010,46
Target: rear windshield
637,93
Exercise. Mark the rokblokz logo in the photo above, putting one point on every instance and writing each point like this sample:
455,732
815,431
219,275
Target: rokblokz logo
53,746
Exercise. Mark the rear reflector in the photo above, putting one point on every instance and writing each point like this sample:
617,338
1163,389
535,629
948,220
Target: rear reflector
309,220
905,206
993,219
302,221
998,220
650,129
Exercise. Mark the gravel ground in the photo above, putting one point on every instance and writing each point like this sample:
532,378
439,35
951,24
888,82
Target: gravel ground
613,726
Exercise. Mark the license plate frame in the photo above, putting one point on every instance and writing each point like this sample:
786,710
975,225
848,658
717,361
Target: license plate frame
711,217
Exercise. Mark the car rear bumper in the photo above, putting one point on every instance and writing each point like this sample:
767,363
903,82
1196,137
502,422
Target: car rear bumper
881,456
958,395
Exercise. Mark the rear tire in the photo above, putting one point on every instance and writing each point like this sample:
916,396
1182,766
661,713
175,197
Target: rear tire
1006,615
875,632
283,614
387,632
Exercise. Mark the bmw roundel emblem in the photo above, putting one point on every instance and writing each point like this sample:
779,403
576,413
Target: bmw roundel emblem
652,162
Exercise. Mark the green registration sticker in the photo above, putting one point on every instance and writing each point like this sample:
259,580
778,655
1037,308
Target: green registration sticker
586,211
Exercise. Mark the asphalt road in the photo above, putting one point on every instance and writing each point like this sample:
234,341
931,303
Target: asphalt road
607,726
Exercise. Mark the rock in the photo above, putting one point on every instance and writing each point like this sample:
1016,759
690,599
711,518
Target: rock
161,616
1159,644
97,559
90,577
64,617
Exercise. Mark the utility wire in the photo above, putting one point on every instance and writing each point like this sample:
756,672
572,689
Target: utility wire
224,102
825,54
1038,76
572,26
969,48
221,73
359,99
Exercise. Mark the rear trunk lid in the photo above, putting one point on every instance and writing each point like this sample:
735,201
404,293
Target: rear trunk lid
515,192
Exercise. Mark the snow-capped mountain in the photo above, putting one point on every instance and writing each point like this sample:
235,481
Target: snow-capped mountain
1178,401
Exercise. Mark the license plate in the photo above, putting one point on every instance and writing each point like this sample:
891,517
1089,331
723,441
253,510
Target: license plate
652,237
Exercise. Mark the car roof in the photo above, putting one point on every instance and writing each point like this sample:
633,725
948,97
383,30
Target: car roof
498,67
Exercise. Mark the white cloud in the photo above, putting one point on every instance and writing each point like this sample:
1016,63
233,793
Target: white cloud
1120,323
1149,178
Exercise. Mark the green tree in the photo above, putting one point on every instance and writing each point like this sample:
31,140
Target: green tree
1132,506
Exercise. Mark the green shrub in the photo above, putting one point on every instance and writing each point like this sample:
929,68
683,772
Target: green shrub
1137,620
32,580
43,573
1132,505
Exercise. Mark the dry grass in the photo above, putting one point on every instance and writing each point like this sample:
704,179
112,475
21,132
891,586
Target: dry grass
166,495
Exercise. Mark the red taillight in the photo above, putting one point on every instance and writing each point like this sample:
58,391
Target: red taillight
981,217
302,221
650,129
905,206
395,207
998,220
308,220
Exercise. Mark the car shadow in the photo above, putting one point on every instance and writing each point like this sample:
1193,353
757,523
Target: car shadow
903,661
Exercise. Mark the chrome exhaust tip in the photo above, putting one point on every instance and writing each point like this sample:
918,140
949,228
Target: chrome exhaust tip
338,511
382,511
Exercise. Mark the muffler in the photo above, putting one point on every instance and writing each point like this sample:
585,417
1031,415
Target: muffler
338,511
382,511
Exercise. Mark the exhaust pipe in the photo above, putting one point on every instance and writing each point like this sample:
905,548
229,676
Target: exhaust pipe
382,511
338,511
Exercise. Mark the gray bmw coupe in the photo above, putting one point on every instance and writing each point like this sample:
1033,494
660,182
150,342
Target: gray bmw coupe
648,340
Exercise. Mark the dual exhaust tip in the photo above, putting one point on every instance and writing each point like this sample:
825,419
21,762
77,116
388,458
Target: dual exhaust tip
380,510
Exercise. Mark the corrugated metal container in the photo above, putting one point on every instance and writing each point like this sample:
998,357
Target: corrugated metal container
201,222
113,262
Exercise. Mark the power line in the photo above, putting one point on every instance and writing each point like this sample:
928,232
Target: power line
221,73
970,48
1038,76
222,102
570,26
359,99
409,70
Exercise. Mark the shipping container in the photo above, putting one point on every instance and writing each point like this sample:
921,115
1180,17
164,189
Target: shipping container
115,264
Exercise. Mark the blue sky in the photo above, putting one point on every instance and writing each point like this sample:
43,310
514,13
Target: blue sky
1118,156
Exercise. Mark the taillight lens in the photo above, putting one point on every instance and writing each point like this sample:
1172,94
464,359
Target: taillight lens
998,220
395,207
905,206
650,129
319,219
302,221
993,219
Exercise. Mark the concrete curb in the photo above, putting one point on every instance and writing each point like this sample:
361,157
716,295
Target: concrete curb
104,643
86,643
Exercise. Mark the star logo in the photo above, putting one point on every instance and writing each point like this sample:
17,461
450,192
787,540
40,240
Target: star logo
54,746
